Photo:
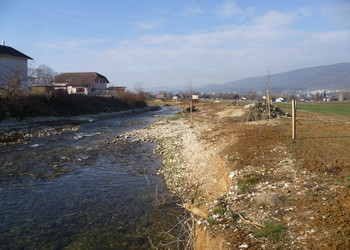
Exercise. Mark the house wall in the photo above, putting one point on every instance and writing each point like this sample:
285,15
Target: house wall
75,90
99,87
9,65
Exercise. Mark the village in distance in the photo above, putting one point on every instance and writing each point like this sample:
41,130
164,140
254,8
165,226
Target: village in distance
17,78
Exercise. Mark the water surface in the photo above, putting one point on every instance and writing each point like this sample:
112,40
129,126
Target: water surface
76,190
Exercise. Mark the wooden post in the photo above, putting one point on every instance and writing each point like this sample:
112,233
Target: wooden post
191,109
268,105
294,115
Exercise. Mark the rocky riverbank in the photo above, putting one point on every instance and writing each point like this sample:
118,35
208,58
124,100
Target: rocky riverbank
186,159
13,131
192,168
242,182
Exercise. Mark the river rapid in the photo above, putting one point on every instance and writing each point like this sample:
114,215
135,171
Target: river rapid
76,190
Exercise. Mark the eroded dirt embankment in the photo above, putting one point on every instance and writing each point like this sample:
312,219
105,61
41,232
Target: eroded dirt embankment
244,185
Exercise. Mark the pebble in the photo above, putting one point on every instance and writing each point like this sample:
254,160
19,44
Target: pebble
244,246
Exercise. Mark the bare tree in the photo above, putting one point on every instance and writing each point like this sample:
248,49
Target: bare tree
12,88
138,86
10,94
42,75
140,92
251,95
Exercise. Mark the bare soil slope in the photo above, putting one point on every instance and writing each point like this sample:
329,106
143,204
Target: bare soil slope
249,185
291,194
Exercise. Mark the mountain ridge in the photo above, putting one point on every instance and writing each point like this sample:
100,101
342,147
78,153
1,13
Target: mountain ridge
334,76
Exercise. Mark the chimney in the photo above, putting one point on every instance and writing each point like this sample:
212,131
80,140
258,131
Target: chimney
3,42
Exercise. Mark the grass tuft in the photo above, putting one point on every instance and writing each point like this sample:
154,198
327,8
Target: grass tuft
176,117
247,182
272,230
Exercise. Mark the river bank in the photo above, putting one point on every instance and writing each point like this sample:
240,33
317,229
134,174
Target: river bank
15,131
192,167
21,105
244,183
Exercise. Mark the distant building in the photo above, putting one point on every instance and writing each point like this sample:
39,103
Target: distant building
176,98
85,83
160,96
280,99
115,90
13,62
43,89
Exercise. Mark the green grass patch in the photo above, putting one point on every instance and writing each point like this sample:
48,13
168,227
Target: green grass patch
212,221
272,230
325,108
176,117
220,214
247,183
220,211
343,182
244,103
232,159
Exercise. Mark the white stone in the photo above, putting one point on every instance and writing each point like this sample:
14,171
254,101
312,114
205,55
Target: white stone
243,246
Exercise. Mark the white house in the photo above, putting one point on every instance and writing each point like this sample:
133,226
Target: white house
86,83
280,99
13,62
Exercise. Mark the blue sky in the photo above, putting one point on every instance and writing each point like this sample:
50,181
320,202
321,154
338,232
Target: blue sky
172,43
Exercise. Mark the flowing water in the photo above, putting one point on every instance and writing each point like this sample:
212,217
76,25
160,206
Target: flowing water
75,190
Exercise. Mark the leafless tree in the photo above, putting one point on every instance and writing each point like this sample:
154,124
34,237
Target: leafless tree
251,95
140,91
12,87
138,86
41,75
11,93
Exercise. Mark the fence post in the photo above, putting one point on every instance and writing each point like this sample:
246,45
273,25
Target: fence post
294,115
191,109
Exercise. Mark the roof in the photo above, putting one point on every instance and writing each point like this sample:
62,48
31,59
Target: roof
116,87
79,78
6,50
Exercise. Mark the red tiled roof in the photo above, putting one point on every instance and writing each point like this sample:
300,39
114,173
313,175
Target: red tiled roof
79,78
6,50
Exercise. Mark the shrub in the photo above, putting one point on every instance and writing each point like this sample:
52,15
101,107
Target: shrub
61,104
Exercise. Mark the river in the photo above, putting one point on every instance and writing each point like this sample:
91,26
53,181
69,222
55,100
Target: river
76,190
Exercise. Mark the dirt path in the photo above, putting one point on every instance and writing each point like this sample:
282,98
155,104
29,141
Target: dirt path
249,186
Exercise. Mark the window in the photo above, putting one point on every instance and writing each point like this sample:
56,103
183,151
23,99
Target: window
80,90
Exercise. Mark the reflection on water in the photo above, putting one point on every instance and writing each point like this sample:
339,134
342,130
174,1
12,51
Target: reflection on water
77,191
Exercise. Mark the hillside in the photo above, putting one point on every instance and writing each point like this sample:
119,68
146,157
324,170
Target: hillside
336,76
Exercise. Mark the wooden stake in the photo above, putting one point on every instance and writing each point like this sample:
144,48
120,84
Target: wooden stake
268,105
191,109
294,115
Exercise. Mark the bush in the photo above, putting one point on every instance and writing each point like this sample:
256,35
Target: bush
61,104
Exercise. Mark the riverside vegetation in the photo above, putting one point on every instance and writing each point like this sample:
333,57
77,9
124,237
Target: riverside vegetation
21,105
247,184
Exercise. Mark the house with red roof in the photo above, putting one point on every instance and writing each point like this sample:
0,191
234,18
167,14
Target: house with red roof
86,83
